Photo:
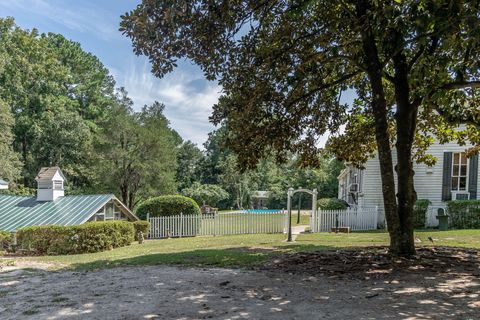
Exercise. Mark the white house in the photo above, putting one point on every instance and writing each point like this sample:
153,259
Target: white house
51,206
453,177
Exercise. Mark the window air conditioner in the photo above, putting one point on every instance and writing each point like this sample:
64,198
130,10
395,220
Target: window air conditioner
460,195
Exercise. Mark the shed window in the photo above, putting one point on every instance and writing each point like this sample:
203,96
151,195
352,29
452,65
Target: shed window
459,172
58,185
44,185
109,212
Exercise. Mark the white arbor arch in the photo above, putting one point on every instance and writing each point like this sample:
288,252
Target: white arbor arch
290,194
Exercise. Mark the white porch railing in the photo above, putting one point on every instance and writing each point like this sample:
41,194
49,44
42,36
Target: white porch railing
357,218
217,224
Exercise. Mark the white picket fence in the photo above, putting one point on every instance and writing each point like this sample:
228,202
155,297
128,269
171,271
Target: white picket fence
217,224
357,218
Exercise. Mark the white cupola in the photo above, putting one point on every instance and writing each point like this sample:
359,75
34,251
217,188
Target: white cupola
50,182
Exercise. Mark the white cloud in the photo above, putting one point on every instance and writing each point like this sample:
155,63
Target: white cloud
187,96
85,18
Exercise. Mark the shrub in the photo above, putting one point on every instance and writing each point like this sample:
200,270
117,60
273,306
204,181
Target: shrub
464,214
5,240
332,204
18,190
143,226
164,206
86,238
419,212
42,239
173,205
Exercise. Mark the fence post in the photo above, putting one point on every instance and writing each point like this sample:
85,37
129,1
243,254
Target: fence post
149,224
250,222
215,225
313,217
181,224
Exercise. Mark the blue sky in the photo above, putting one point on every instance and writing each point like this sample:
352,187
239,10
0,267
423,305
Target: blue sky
188,97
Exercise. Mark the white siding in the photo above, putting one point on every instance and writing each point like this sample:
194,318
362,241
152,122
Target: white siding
46,190
428,183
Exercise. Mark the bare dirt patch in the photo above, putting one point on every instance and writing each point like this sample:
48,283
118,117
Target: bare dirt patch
376,263
440,284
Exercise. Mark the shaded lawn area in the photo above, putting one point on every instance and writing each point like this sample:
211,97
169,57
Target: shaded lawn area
243,250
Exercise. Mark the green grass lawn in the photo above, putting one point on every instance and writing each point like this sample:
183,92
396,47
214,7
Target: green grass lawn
243,250
304,218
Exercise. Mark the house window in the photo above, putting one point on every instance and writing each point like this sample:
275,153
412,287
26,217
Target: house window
459,172
57,185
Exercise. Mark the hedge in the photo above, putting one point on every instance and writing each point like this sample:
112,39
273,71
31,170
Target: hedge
464,214
86,238
143,226
172,205
332,204
164,206
5,240
420,213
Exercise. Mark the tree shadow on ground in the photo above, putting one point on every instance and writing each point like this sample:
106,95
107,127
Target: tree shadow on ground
228,257
361,283
324,282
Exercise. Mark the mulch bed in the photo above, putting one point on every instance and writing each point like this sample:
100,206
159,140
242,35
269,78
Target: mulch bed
375,262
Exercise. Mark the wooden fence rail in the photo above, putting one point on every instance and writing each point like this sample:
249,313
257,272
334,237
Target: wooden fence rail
217,224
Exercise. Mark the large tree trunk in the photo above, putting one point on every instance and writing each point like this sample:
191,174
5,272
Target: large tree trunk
399,217
406,118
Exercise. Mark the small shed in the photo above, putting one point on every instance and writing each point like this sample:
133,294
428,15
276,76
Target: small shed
51,206
50,184
259,199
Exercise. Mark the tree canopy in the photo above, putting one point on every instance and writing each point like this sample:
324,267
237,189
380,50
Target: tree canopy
59,107
284,66
205,194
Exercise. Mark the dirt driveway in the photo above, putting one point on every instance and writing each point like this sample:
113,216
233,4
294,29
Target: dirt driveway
160,292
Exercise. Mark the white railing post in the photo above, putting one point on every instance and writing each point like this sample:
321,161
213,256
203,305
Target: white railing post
313,217
214,224
181,224
150,226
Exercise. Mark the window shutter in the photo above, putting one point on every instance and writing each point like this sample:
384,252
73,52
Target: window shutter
473,177
447,177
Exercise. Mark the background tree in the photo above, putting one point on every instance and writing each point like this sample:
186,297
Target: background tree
238,184
136,152
284,65
214,154
57,94
189,160
10,164
203,194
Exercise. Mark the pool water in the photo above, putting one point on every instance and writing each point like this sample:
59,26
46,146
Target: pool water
262,211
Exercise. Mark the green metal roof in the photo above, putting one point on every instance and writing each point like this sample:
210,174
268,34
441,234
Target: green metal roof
17,212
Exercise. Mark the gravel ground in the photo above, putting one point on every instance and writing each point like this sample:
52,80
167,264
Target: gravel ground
293,287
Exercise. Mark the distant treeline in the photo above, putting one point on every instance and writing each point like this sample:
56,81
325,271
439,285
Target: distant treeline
59,105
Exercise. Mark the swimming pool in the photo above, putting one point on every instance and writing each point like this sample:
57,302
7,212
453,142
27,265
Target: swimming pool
262,211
